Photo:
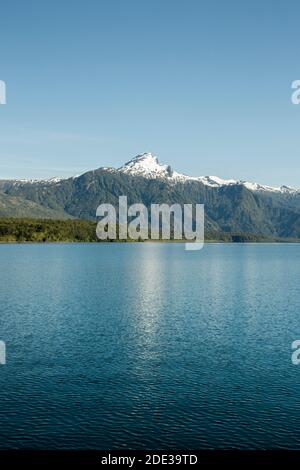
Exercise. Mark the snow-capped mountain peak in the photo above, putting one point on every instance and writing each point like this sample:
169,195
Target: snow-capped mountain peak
148,166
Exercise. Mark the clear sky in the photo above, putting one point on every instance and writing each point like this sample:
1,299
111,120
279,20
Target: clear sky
205,85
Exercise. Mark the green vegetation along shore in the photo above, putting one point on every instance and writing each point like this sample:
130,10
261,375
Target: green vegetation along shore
75,230
46,230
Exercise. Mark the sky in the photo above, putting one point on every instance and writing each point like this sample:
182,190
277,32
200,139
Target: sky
204,85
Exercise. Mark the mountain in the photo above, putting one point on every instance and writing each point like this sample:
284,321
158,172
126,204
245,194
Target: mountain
148,166
230,205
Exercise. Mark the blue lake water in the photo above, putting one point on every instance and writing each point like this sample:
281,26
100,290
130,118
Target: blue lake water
148,346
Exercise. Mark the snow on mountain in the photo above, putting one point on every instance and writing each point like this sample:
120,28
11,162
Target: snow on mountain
49,181
260,187
148,166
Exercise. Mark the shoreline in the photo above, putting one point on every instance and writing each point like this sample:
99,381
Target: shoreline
130,242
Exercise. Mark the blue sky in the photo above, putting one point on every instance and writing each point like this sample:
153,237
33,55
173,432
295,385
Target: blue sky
205,85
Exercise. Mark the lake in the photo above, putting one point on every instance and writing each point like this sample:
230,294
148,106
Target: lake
149,346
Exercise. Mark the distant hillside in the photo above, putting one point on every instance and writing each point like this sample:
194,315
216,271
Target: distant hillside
17,206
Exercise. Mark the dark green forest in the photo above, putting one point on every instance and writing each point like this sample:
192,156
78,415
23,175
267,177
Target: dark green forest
47,230
77,230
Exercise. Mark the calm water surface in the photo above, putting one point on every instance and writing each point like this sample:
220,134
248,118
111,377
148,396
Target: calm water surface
147,346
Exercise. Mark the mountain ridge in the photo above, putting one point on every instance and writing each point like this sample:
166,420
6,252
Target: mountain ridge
147,165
